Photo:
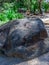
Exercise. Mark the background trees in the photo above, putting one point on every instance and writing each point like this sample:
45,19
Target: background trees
9,9
35,6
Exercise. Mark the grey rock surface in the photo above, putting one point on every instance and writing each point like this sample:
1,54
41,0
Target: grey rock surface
23,38
42,60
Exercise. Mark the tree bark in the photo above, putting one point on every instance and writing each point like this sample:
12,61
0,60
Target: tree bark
39,2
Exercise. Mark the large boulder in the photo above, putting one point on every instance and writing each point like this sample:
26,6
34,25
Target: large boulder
23,38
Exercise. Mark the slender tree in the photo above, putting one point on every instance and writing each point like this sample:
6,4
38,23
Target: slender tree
40,5
27,3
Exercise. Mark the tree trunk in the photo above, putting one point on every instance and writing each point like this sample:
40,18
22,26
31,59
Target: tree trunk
39,2
28,6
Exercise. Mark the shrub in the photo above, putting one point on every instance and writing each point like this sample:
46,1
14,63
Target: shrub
9,12
45,6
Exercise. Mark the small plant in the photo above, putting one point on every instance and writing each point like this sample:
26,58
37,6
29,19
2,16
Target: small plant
9,12
34,6
45,6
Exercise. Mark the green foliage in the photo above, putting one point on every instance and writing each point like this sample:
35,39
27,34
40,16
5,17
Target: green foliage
19,3
31,5
45,6
9,12
3,17
11,6
34,5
